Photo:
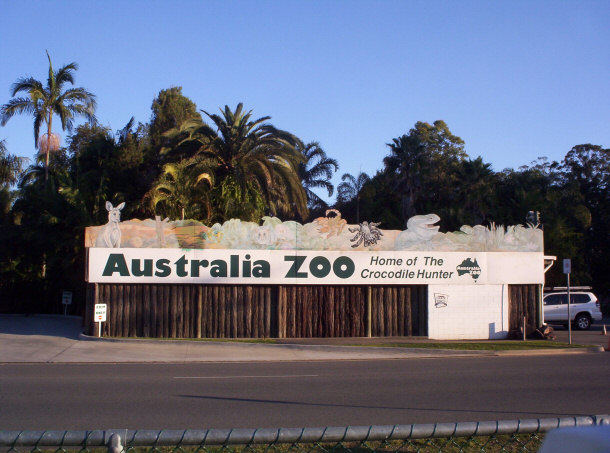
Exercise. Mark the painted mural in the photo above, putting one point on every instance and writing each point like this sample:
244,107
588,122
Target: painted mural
325,233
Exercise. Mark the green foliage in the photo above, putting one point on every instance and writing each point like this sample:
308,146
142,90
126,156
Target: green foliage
586,169
258,158
182,191
170,109
316,171
236,201
11,166
44,248
423,166
350,189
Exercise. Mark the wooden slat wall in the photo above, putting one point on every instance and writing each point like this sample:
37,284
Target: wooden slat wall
399,310
185,311
523,301
321,311
237,311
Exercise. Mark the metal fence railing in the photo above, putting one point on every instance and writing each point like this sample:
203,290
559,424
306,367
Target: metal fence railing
487,436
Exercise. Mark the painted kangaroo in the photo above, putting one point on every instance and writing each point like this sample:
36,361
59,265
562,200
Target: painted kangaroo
110,236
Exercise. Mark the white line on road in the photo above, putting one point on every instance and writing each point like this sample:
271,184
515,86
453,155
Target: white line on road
246,377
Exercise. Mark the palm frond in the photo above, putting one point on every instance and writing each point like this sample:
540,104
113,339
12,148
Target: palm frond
16,106
27,84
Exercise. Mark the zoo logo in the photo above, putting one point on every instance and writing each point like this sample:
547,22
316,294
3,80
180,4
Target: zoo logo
469,266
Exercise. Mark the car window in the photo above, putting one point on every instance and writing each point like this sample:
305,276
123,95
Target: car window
554,299
579,298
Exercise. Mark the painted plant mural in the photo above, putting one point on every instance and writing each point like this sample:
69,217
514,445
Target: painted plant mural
324,233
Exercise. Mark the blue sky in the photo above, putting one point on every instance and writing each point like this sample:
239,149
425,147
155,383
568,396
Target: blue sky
515,79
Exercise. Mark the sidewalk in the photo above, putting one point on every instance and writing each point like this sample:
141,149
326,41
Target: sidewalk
58,339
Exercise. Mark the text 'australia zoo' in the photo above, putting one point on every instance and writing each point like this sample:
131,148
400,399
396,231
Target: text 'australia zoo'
235,267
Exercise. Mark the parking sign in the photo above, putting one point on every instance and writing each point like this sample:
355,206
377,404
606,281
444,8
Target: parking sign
100,313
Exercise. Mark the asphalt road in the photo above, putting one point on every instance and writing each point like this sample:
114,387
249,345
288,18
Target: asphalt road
297,394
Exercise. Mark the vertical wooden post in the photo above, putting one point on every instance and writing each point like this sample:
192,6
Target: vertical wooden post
369,311
199,310
279,321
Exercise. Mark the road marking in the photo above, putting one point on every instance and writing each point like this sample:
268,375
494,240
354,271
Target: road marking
247,377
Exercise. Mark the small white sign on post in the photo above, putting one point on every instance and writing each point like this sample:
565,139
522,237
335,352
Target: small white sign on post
66,297
99,316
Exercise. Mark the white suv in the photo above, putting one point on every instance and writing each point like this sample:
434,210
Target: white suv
584,309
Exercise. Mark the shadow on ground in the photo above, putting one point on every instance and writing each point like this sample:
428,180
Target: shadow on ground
43,325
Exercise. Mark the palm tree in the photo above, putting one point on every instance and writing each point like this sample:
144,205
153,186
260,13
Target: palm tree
180,189
255,163
43,102
316,171
10,166
10,170
475,189
409,163
350,189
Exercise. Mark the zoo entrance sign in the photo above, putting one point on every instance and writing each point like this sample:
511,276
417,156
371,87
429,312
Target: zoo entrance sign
264,267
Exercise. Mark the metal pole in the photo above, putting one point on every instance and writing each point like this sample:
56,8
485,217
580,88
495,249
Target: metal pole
569,313
540,315
114,445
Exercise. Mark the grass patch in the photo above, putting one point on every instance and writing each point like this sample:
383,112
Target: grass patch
501,443
481,346
501,345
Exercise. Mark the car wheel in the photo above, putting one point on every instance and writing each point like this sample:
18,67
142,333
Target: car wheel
582,322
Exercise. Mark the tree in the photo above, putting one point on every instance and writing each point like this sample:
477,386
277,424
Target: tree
181,190
92,158
589,167
10,170
111,166
170,109
10,166
408,165
586,169
424,164
350,189
256,165
44,102
476,183
316,172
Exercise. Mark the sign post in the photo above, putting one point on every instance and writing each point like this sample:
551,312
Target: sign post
567,268
99,317
66,299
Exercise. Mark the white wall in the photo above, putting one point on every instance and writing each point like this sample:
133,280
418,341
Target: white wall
472,312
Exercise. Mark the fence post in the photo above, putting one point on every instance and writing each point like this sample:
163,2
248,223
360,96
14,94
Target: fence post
114,444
